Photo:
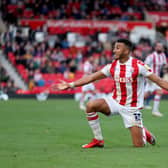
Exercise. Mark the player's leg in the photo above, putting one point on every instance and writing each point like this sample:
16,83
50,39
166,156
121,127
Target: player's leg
81,101
147,97
148,93
140,135
147,102
92,108
98,105
156,103
133,120
86,90
149,136
137,136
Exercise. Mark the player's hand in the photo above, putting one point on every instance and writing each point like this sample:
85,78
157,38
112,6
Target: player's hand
61,86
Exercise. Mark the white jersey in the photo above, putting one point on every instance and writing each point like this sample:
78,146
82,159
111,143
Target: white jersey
128,81
87,68
156,61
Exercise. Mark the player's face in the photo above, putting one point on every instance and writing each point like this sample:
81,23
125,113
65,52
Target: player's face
159,47
120,50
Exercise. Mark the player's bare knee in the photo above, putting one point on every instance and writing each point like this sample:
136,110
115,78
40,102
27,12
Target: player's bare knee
90,107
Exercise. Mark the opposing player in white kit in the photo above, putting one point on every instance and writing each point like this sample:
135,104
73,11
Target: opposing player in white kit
128,74
156,61
89,90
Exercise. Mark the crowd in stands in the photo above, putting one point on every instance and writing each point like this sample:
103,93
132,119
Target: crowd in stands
80,9
54,54
33,58
72,9
7,85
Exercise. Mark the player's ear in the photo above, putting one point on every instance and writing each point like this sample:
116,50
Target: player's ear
127,50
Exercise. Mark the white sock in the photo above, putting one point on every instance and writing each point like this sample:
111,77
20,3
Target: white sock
82,101
144,136
93,120
156,103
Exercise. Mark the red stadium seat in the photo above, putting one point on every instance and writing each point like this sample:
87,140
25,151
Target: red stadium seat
12,58
66,52
12,8
28,13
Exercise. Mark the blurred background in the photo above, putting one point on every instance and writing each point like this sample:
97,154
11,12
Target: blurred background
42,41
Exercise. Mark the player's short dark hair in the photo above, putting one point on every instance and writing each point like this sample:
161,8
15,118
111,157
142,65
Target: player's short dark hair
126,42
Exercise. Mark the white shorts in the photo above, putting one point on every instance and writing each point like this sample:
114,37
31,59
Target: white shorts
131,117
151,87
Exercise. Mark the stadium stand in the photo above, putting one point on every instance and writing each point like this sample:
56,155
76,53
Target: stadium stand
49,53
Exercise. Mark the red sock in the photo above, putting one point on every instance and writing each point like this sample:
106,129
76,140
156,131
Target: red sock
148,135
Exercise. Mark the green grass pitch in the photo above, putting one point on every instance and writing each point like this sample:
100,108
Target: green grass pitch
50,134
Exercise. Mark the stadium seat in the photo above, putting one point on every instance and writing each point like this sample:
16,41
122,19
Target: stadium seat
28,13
12,58
12,8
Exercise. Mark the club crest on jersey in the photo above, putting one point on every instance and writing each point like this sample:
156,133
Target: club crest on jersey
148,68
140,62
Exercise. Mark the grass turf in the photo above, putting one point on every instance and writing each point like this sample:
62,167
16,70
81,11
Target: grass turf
50,134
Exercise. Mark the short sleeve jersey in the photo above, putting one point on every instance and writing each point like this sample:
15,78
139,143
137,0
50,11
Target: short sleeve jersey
128,81
156,61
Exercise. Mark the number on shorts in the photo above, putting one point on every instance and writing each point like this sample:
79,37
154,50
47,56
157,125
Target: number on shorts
137,116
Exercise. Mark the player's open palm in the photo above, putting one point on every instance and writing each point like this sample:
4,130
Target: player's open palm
60,86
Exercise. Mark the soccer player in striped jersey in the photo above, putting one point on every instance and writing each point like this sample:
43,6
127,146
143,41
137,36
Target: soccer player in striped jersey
156,61
128,95
89,90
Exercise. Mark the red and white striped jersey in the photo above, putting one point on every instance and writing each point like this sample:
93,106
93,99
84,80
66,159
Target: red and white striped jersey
128,81
156,61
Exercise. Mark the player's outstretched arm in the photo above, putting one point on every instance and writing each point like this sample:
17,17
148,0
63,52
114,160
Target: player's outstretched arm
162,83
82,81
60,86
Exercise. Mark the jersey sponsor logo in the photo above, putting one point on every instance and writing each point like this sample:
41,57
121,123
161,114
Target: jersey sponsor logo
123,79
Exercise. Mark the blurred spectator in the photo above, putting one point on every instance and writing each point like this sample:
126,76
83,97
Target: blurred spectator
103,60
109,9
57,55
63,67
49,67
38,79
8,48
4,77
44,10
18,37
65,43
7,36
10,87
41,52
6,83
